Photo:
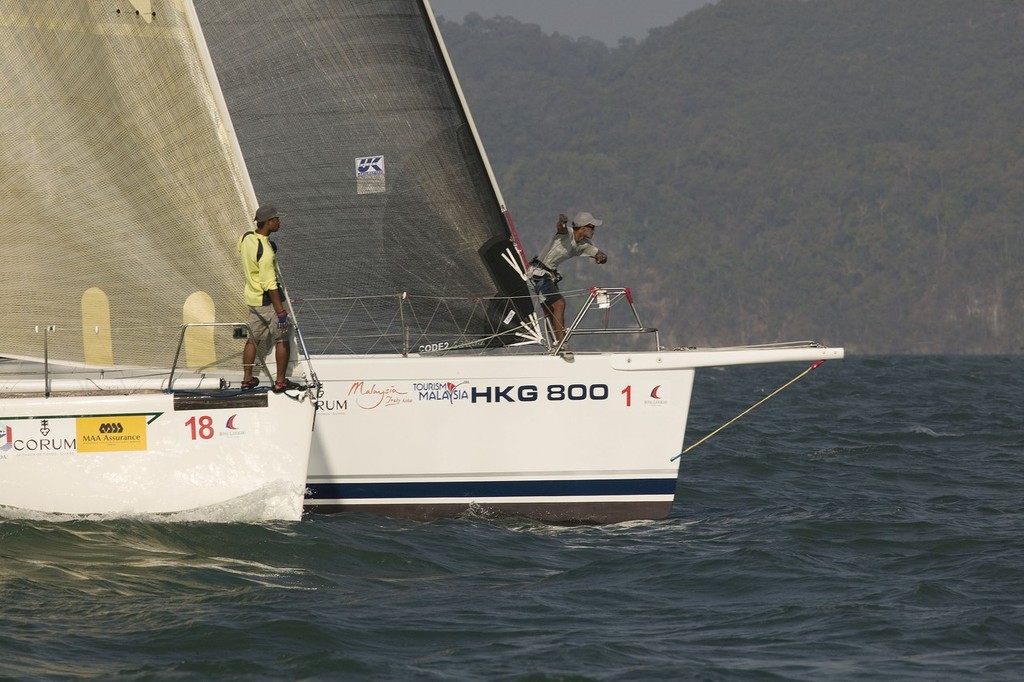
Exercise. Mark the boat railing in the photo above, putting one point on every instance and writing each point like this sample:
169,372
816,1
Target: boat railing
46,357
200,361
405,323
603,300
239,330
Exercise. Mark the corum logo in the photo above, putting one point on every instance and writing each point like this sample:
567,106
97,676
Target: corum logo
113,427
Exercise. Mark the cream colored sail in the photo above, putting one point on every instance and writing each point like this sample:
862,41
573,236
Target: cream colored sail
121,188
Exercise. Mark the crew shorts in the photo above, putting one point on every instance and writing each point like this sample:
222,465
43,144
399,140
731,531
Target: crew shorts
263,322
546,287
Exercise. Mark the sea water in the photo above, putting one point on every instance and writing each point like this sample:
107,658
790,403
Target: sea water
866,523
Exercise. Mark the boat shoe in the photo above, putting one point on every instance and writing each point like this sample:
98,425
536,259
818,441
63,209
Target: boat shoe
286,385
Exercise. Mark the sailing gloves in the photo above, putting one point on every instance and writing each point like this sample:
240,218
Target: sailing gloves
282,320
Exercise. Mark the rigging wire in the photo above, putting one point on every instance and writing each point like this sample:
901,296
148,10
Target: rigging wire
786,385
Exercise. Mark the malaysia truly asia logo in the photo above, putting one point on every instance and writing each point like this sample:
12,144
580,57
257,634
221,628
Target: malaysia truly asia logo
371,396
441,390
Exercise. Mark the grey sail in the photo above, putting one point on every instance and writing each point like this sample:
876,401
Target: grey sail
395,237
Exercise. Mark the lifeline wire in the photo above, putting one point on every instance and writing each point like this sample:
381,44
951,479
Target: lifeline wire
799,376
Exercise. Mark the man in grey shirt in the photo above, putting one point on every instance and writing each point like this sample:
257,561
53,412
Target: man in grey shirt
544,268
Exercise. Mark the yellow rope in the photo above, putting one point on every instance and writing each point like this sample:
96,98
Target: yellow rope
802,374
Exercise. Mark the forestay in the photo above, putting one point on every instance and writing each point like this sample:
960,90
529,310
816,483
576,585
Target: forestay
121,187
351,122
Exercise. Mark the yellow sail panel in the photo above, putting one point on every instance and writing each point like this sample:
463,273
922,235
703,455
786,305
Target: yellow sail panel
96,346
200,348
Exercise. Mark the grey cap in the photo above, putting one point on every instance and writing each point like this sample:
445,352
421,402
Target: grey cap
265,213
583,218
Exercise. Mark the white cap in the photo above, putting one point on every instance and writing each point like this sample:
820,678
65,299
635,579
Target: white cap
583,218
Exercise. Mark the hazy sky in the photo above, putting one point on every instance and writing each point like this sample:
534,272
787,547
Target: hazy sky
606,20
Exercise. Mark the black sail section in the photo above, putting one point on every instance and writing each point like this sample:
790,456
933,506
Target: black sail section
394,237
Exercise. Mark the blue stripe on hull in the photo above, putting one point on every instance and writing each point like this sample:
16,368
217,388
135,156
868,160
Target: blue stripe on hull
484,489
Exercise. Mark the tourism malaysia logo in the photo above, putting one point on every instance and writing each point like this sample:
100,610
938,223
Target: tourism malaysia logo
448,391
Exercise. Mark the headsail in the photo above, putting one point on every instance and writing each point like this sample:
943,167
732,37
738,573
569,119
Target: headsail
351,121
121,185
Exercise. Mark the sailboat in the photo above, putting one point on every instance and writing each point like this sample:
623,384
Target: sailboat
124,195
442,393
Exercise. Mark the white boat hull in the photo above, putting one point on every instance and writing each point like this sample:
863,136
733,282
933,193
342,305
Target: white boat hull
153,453
594,439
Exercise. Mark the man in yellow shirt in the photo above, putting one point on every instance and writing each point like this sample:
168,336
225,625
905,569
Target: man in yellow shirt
268,315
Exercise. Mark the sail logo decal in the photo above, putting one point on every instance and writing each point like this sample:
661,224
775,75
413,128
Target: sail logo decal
122,433
232,427
373,165
370,178
657,397
447,391
6,438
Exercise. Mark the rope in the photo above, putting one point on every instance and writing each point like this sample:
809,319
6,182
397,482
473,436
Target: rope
786,385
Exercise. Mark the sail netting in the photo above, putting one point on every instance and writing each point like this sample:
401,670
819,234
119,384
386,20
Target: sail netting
394,237
122,193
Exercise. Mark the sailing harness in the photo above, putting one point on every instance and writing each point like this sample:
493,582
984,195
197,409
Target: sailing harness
538,266
259,245
259,254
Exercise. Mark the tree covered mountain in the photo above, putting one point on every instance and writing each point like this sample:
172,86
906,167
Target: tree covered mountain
850,171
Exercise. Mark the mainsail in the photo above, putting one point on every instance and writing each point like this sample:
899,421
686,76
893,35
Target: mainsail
352,123
121,184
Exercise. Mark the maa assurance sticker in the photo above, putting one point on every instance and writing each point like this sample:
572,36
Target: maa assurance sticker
111,434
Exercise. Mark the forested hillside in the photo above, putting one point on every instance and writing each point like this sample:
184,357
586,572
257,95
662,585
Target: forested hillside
850,171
